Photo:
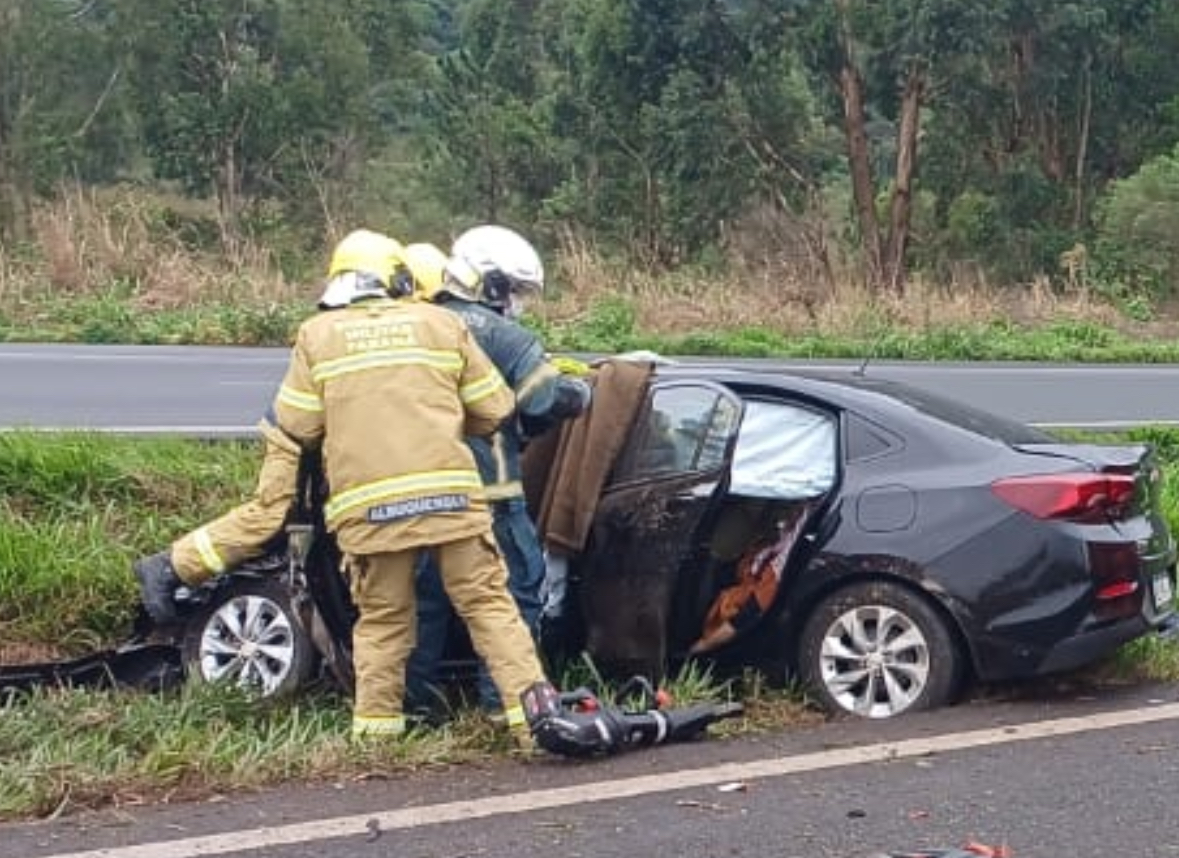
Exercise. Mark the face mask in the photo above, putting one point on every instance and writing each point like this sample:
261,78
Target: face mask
514,308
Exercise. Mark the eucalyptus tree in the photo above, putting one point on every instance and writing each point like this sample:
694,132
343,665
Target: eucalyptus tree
1070,96
62,115
486,142
676,116
896,60
263,99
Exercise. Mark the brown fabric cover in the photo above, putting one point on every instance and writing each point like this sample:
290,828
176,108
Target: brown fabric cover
564,470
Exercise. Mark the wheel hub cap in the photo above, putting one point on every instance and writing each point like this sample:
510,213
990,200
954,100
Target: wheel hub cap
875,661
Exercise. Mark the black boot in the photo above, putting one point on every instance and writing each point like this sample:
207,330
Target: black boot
158,583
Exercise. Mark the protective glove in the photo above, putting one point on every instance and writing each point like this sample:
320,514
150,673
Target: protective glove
567,365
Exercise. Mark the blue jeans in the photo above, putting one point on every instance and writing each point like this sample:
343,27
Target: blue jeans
518,542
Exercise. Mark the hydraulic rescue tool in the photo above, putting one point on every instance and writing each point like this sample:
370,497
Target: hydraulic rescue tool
577,724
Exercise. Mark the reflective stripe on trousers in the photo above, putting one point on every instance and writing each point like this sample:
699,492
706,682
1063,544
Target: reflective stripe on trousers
364,726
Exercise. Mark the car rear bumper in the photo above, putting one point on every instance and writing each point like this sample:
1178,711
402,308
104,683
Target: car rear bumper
1092,645
1092,639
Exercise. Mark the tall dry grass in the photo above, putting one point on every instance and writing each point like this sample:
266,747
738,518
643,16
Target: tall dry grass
788,275
795,292
87,241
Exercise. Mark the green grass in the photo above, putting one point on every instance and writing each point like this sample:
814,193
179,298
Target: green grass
63,751
77,508
110,317
1075,342
610,324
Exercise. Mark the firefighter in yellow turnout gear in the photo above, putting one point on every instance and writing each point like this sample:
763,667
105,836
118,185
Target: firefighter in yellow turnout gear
244,531
390,387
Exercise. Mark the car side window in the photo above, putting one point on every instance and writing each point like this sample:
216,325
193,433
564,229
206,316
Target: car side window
687,429
866,440
784,451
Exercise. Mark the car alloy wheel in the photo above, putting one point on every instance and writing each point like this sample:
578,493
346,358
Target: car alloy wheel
877,650
249,636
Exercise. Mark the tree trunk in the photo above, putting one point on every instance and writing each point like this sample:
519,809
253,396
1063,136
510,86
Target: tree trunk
1085,122
7,207
1023,55
229,197
855,127
863,188
901,208
1052,160
15,193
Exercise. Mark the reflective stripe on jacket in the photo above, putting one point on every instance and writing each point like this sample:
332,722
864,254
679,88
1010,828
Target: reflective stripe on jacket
390,388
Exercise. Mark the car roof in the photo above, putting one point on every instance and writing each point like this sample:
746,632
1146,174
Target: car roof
880,399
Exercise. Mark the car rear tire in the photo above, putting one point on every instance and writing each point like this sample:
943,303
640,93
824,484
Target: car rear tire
877,650
249,635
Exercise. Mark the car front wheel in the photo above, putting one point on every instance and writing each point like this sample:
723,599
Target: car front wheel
248,635
877,650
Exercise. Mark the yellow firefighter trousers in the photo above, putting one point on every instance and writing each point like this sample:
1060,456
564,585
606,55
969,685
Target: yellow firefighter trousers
476,579
242,532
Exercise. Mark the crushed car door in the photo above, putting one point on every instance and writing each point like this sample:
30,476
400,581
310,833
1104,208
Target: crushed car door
666,481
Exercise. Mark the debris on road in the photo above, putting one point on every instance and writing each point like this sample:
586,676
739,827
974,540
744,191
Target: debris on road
374,830
702,805
969,850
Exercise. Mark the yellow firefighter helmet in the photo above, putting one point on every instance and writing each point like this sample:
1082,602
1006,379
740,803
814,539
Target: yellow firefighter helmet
425,264
363,265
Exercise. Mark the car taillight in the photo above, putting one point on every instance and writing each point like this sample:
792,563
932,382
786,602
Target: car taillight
1116,570
1087,498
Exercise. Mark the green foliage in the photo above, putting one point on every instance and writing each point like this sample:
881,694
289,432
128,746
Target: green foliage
1139,219
608,327
659,128
972,222
111,317
63,114
265,98
668,110
487,149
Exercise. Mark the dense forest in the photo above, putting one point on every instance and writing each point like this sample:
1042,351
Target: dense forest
1007,139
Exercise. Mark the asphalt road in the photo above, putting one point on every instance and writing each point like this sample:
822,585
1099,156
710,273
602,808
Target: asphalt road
210,391
1086,772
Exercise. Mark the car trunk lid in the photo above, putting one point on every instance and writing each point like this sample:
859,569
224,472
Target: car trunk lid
1133,461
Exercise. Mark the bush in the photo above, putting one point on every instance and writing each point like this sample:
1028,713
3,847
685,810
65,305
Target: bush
1138,220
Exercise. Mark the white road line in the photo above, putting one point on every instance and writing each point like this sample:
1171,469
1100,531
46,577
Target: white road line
162,429
600,791
1136,423
237,359
252,429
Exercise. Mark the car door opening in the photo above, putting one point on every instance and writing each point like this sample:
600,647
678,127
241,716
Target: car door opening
784,464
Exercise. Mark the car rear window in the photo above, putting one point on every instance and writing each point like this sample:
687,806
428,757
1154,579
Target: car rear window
962,415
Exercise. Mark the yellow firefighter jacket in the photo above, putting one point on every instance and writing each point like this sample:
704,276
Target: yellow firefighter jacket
391,388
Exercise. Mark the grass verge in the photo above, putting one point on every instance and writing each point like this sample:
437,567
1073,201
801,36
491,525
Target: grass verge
66,751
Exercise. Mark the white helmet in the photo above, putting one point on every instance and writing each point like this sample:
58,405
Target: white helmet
495,266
